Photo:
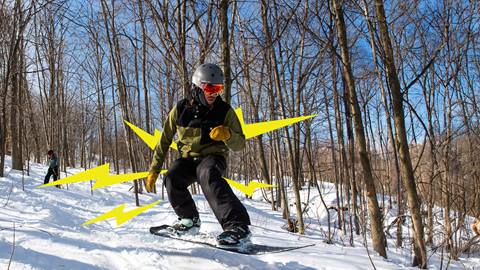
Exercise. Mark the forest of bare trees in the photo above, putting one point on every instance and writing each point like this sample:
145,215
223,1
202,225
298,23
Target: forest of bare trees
394,85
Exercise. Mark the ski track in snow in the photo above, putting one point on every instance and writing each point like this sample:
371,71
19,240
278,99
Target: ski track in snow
49,235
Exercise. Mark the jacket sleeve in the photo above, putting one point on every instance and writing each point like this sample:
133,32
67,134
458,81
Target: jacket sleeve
169,130
237,138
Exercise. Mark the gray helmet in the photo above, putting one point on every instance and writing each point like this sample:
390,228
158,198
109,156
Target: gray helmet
207,73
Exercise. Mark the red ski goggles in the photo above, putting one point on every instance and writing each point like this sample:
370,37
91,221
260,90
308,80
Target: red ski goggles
211,88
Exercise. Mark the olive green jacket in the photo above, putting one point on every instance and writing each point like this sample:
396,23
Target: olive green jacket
192,124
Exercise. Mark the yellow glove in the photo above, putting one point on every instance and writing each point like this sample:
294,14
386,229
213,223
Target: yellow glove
220,133
151,180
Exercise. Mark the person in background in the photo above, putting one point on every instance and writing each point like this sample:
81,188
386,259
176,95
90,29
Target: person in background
52,168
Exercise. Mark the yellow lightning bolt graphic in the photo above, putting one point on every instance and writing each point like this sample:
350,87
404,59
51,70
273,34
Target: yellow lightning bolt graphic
250,130
120,216
253,130
117,179
248,190
102,176
149,139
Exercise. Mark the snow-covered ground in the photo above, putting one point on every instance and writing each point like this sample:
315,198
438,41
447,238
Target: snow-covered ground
41,229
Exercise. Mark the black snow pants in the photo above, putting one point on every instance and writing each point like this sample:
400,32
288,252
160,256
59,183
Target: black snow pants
51,171
208,171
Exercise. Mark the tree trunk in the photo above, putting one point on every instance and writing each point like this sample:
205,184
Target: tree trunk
14,119
225,44
293,165
405,160
388,117
249,96
122,91
378,236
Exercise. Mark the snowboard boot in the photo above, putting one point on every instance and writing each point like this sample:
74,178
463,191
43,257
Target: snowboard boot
184,226
236,237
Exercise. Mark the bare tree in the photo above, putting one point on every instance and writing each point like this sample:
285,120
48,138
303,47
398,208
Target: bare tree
378,236
401,138
14,22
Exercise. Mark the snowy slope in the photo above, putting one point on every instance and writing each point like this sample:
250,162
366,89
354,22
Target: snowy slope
48,234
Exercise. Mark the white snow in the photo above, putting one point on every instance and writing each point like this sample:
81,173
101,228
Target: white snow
46,224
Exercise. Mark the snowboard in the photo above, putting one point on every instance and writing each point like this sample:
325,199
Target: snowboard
250,249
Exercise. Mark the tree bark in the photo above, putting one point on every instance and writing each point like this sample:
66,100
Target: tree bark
225,44
378,236
276,76
388,117
122,91
405,160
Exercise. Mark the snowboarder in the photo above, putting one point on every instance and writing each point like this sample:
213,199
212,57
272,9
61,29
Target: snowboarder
52,167
207,127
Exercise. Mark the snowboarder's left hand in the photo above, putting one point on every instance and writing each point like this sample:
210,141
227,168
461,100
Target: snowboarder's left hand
220,133
151,180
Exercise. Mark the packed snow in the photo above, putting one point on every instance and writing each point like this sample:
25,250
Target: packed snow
40,228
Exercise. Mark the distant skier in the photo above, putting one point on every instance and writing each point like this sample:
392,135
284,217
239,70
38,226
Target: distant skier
207,127
52,168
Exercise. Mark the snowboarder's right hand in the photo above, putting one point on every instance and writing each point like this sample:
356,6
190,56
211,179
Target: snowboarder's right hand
151,180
